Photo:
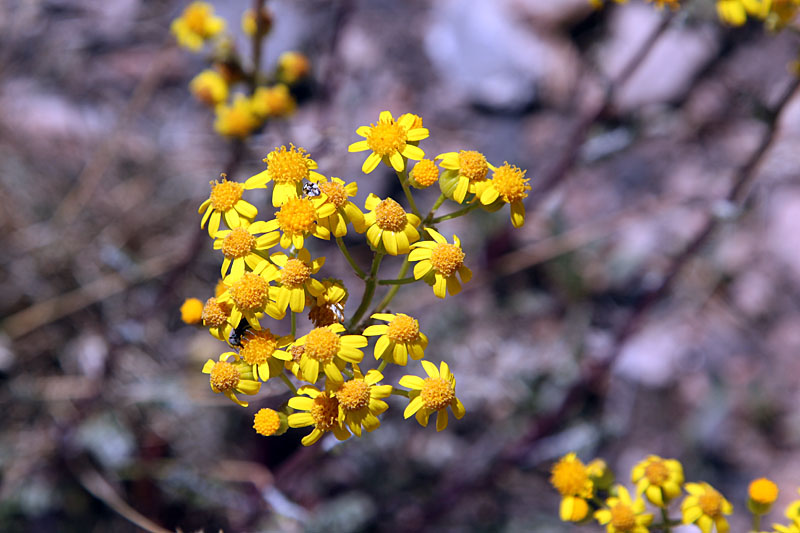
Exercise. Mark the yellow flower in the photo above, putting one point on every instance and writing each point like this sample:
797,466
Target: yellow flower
509,185
338,194
196,24
762,493
328,307
439,262
251,296
324,348
226,200
705,507
250,24
735,12
573,509
269,422
293,67
240,246
791,528
433,394
658,479
237,119
295,279
230,378
287,168
192,311
322,413
275,101
390,226
464,170
398,338
209,87
793,511
602,477
262,350
424,174
361,401
570,477
390,142
215,317
299,217
623,514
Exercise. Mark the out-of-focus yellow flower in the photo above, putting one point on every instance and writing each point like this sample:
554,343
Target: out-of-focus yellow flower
192,311
433,394
209,87
263,351
705,507
229,378
321,411
250,24
324,348
439,262
624,515
216,317
293,67
196,24
287,168
570,477
338,194
735,12
240,246
275,101
464,170
390,142
361,401
237,119
389,227
601,475
658,479
226,201
508,185
673,4
268,422
762,493
400,337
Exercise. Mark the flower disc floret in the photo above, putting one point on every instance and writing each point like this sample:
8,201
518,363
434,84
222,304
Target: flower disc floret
439,262
624,514
390,216
447,259
297,215
511,183
325,412
472,165
322,344
622,517
399,338
354,394
659,479
228,377
266,422
258,347
433,394
403,328
570,477
238,243
437,394
295,273
390,141
250,292
763,491
226,201
321,411
225,194
424,174
287,168
705,507
224,376
386,137
710,502
335,191
214,313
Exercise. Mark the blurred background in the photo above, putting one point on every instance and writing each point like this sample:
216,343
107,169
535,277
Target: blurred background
649,304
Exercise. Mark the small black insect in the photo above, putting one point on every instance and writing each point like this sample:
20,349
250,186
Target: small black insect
235,338
311,190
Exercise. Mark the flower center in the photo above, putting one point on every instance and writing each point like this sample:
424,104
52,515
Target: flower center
354,394
656,473
288,166
710,502
297,352
472,165
447,259
570,477
622,517
425,173
763,491
266,422
195,17
403,329
214,314
224,376
335,193
390,216
386,138
297,215
325,412
239,121
258,347
238,243
322,344
437,393
225,194
250,292
511,183
295,273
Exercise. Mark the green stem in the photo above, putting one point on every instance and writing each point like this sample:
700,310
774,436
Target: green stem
390,295
403,177
400,392
383,364
437,205
257,43
666,520
360,273
289,383
369,291
756,522
401,281
455,214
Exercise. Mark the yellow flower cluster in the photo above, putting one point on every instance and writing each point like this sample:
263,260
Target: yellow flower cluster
269,96
659,482
324,366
